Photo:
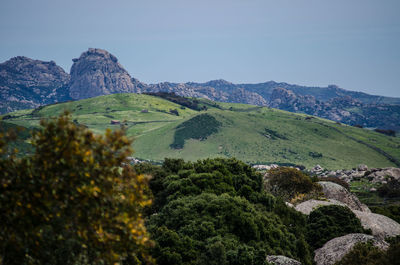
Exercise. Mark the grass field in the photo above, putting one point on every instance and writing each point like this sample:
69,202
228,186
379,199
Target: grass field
250,133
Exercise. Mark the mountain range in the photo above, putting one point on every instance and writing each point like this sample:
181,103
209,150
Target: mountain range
26,83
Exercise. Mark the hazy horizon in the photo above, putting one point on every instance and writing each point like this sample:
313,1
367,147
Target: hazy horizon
306,42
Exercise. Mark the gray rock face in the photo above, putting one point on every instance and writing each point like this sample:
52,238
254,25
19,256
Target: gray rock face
218,90
380,225
97,72
336,192
282,260
308,206
27,83
335,249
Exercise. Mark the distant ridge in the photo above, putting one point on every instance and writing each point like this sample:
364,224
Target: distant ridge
27,83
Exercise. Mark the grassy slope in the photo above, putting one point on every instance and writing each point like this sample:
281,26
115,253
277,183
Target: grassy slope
241,134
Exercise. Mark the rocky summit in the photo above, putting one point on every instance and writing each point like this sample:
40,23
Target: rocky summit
97,72
27,83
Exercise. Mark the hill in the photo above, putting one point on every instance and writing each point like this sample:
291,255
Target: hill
250,133
27,83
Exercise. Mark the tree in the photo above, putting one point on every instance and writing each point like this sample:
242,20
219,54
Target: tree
287,183
328,222
75,200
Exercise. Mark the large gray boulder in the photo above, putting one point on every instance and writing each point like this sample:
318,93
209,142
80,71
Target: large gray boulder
336,192
335,249
380,225
308,206
282,260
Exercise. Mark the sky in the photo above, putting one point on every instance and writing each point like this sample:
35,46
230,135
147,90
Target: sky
354,44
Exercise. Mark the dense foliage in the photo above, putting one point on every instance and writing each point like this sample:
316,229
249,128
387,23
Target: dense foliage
368,254
187,102
289,183
215,211
328,222
198,127
72,202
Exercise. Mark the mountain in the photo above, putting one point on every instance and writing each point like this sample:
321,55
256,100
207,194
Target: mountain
200,128
97,72
27,83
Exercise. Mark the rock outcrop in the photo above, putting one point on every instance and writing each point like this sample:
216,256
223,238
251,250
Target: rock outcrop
380,225
27,83
336,192
97,72
335,249
308,206
282,260
374,175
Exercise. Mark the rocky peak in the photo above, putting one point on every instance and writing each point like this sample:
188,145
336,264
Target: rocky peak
25,71
27,83
97,72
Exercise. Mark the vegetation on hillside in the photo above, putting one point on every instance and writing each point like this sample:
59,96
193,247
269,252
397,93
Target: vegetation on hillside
257,135
215,211
199,127
74,201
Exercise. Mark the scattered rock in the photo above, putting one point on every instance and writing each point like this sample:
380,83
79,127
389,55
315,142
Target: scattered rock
335,249
380,225
282,260
362,167
336,192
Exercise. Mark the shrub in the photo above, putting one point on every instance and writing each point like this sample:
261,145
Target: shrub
218,208
391,189
72,201
328,222
229,229
289,182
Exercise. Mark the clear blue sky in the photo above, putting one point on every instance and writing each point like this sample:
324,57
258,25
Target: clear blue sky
352,43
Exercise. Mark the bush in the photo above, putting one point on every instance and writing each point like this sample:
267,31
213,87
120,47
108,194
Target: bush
72,201
328,222
390,189
229,229
288,183
218,208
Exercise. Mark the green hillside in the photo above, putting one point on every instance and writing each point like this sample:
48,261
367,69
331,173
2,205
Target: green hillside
249,133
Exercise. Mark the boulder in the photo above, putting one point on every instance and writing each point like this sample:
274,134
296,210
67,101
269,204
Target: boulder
362,167
335,249
308,206
282,260
380,225
336,192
